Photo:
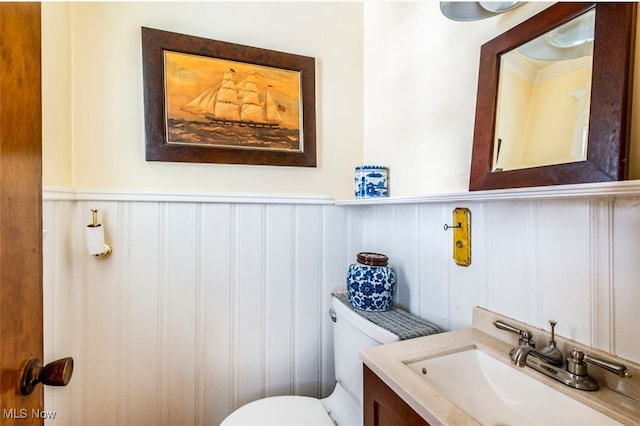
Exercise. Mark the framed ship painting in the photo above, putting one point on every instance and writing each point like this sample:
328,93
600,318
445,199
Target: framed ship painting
209,101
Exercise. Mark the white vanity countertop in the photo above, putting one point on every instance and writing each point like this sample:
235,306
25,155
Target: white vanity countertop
388,362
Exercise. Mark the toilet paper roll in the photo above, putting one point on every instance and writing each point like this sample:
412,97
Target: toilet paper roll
95,239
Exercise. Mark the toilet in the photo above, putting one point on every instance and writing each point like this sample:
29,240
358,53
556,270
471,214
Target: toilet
351,333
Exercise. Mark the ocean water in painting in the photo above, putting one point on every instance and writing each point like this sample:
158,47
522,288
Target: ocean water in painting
187,132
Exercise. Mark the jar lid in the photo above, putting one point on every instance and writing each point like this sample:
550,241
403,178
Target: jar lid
372,259
370,167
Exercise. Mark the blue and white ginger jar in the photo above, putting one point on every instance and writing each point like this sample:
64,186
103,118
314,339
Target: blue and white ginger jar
371,283
371,182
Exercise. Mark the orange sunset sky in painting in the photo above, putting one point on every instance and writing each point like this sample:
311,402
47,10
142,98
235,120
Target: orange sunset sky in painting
187,76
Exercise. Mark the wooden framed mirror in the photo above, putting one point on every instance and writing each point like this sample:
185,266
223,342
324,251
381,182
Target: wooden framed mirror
607,121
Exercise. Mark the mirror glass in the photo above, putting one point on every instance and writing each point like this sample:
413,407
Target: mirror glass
544,95
576,56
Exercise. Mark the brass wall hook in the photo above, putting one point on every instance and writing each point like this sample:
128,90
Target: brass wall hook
461,236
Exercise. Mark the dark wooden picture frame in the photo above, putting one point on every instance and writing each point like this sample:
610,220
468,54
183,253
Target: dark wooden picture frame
189,83
610,117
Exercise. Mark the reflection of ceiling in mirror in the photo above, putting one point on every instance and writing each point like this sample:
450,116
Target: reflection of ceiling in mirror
571,40
536,71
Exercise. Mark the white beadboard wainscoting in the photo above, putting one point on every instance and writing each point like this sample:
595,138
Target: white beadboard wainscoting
209,303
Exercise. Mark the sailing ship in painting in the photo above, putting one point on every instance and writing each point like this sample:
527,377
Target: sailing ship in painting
238,104
216,102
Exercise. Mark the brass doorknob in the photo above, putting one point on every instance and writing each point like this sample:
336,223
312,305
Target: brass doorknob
55,373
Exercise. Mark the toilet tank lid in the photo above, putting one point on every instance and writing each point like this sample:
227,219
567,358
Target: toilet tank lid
346,313
400,323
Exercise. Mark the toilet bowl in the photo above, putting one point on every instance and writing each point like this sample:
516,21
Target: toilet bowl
282,411
351,333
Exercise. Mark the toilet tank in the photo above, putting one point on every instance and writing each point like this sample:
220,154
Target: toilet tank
352,333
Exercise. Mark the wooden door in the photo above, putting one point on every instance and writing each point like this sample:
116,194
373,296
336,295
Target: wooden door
20,208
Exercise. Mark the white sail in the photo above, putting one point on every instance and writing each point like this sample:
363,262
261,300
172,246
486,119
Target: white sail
203,104
252,109
273,114
226,104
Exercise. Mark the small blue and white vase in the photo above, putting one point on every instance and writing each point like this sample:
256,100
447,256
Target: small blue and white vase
371,283
371,182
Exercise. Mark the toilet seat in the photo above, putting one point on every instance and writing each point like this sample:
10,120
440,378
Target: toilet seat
280,411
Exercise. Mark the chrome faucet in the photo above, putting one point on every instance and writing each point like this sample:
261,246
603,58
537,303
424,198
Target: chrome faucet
550,353
550,360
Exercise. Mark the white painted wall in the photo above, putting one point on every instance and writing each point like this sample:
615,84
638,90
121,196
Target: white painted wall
93,105
207,305
420,90
396,85
202,307
567,260
57,167
421,76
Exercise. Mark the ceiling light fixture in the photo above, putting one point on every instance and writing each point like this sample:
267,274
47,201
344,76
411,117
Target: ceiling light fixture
473,11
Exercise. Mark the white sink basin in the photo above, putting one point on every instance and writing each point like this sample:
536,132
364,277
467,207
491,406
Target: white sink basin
497,394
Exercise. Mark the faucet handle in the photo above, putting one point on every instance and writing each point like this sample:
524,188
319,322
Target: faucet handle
577,364
526,338
610,366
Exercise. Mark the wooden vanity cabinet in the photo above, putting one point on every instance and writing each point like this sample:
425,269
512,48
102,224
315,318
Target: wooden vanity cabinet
383,407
